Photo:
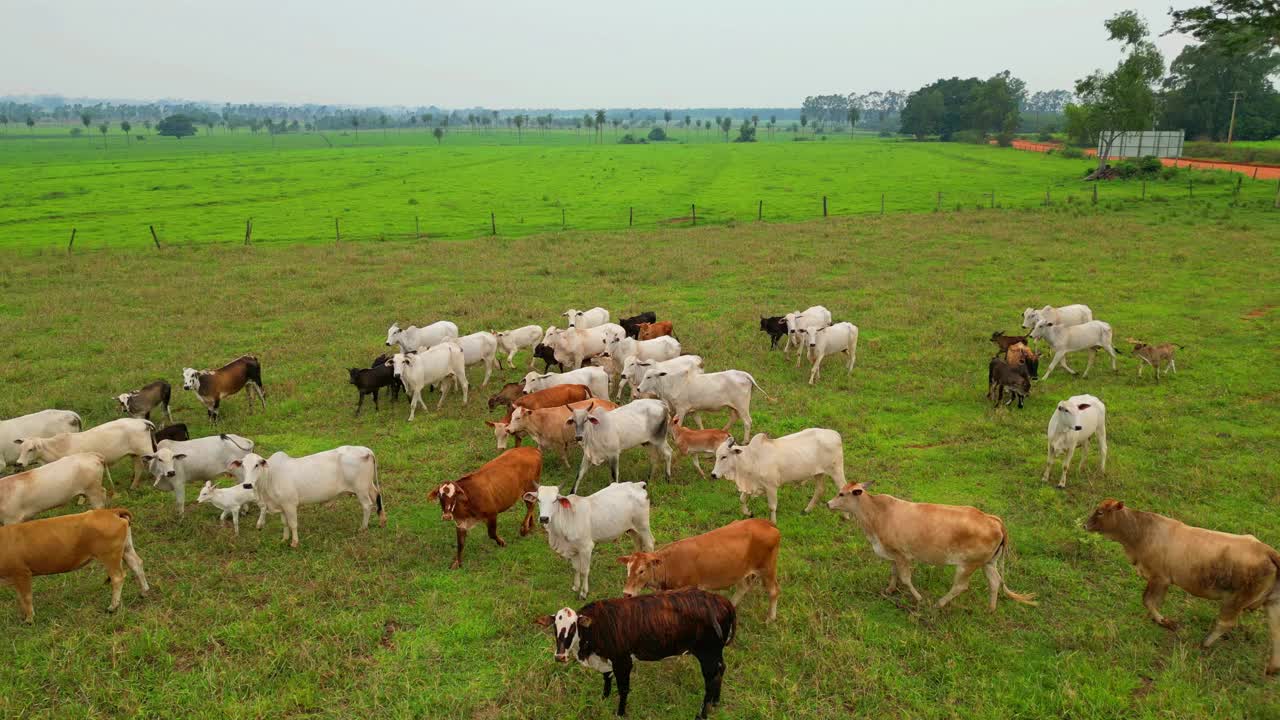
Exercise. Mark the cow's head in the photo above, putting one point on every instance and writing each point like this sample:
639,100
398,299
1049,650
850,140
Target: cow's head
533,381
123,399
399,362
249,470
811,335
1030,317
449,494
1041,329
163,466
1070,414
727,457
1106,517
641,567
550,501
353,375
581,419
846,501
565,624
651,381
501,431
30,451
391,334
206,492
190,378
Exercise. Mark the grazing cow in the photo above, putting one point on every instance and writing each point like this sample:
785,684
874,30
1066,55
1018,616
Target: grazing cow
61,544
371,380
211,386
596,380
43,424
479,496
477,348
1062,316
551,427
829,340
510,342
1067,339
649,331
1157,356
139,403
30,493
550,397
775,327
765,464
442,365
282,483
634,370
731,556
176,431
695,442
1021,354
1004,342
420,338
576,524
687,390
632,324
905,532
547,355
608,636
1002,376
1238,571
112,440
1074,421
799,321
509,393
176,463
582,320
230,500
605,434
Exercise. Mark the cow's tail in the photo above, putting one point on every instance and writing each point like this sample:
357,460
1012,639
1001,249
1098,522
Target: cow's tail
122,513
1000,556
228,438
753,382
79,420
254,373
377,492
108,483
151,434
727,629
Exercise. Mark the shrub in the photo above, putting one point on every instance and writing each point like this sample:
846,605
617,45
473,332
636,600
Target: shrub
1005,139
1044,136
657,134
1150,165
801,138
974,137
1126,169
885,133
1072,153
1168,173
630,139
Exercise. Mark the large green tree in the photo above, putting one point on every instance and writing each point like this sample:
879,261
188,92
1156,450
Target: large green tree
1198,91
178,126
1239,25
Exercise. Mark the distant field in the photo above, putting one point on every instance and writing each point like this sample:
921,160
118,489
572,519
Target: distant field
203,189
375,625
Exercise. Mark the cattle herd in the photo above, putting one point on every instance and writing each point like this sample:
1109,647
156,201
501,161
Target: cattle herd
578,407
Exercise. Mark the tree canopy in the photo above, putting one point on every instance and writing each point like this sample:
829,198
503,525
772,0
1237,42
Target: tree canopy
1237,24
178,126
1198,91
950,105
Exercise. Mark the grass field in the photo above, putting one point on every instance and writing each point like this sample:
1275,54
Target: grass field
375,625
204,189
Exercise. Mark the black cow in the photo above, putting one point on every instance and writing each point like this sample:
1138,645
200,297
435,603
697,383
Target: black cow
546,354
776,326
176,431
1002,376
371,380
609,635
632,324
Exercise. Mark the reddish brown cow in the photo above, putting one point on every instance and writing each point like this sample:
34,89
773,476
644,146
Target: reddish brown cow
548,397
61,544
213,385
731,555
649,331
479,496
692,442
1004,342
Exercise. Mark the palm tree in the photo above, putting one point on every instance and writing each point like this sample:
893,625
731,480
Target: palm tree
103,128
853,115
125,127
85,119
438,133
382,120
519,121
600,123
355,123
31,127
666,118
726,125
804,120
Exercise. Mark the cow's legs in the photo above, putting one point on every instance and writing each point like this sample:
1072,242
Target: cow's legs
742,498
1273,620
893,579
1228,616
262,517
526,526
462,540
1102,446
1084,455
1048,464
696,466
818,481
622,670
771,494
137,473
290,514
488,371
582,566
712,664
180,494
852,356
582,471
1071,451
492,525
608,683
994,581
960,584
359,404
414,400
444,392
745,414
904,575
235,520
1093,353
1057,358
22,586
134,562
366,507
740,589
1152,597
262,398
614,462
97,497
769,578
733,417
115,573
816,371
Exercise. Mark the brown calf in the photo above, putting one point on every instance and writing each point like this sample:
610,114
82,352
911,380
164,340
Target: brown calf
1236,570
1157,356
213,385
649,331
507,395
552,427
1004,342
727,556
479,496
65,543
694,442
547,397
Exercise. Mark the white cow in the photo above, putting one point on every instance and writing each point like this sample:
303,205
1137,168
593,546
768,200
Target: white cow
603,436
477,348
1062,316
282,483
43,424
659,349
1087,336
801,320
1074,421
112,440
419,338
575,524
586,319
442,365
510,342
634,369
230,500
824,341
178,462
765,464
690,391
574,346
30,493
596,380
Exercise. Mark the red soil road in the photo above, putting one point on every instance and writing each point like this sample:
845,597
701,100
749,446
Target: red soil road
1257,172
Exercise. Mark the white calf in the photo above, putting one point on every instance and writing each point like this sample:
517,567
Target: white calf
586,319
510,342
440,365
596,380
43,424
420,338
575,524
178,462
112,440
766,464
30,493
603,436
1088,336
230,500
841,337
1062,316
479,347
799,321
1074,421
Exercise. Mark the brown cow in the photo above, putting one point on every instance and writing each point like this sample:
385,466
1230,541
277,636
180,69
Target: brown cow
552,427
479,496
1004,342
547,397
1157,356
1021,354
904,532
693,442
213,385
1237,570
507,395
649,331
61,544
731,555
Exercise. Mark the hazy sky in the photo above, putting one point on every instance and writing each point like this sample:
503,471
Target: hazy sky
555,53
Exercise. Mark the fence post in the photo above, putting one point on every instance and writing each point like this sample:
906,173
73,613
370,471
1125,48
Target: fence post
1235,194
154,237
72,241
693,210
938,207
824,206
1255,173
417,228
248,230
1144,189
337,231
760,211
1277,203
881,203
562,223
1190,189
631,216
493,224
1046,197
1095,192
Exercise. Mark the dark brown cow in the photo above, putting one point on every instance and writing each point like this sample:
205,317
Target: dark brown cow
176,431
213,385
479,496
649,331
139,403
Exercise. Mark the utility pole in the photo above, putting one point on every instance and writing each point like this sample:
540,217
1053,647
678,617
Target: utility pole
1231,129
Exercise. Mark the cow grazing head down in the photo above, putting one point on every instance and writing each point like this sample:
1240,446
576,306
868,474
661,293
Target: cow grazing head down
1071,414
846,501
29,450
549,501
1106,517
449,495
640,570
581,419
249,470
565,623
190,378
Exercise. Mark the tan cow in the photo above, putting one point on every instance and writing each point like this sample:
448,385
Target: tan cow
1237,570
61,544
548,397
905,532
30,493
727,556
694,442
552,427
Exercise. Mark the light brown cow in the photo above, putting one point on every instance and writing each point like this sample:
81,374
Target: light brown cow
1159,357
905,532
694,442
547,397
727,556
649,331
30,493
479,496
61,544
552,427
1237,570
